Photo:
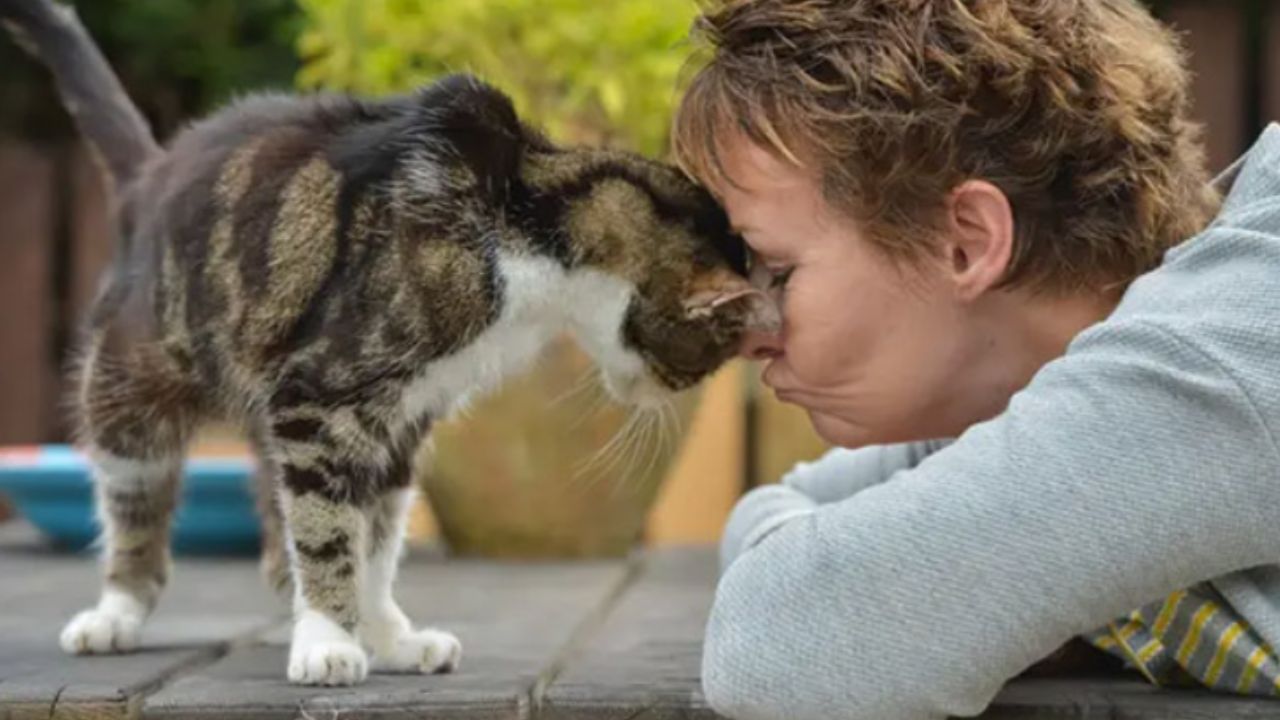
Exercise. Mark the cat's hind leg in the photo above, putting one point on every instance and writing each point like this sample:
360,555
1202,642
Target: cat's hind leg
397,646
137,414
274,563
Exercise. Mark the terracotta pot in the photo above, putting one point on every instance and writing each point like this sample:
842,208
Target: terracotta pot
521,475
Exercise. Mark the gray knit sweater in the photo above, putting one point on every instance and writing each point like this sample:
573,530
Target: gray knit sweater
900,583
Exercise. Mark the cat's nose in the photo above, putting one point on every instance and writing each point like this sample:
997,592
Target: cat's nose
760,345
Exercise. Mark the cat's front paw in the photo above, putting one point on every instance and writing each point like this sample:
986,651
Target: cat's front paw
322,653
424,651
101,630
328,663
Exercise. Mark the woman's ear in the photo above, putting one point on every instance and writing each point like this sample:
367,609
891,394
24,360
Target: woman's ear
978,237
722,290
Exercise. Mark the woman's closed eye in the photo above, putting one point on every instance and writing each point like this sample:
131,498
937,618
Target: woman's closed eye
768,275
778,277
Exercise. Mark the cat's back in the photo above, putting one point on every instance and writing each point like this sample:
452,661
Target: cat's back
234,228
255,143
265,159
281,221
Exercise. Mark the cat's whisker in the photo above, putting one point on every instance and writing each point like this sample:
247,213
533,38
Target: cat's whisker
660,446
631,478
652,447
627,467
666,437
624,462
655,446
607,450
598,403
584,382
653,443
627,464
627,458
602,399
677,422
583,469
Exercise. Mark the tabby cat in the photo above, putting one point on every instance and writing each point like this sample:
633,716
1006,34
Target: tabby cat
336,274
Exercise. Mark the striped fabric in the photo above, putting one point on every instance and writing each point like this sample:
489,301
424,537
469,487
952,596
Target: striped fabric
1193,637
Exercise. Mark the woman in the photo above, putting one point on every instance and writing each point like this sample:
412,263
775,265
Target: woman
976,217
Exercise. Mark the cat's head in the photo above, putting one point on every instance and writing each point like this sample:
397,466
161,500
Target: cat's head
693,302
686,303
662,300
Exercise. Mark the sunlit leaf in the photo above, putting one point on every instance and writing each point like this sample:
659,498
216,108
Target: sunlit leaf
584,70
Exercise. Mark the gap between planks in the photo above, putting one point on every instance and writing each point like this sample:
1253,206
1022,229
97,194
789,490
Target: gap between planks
132,704
532,704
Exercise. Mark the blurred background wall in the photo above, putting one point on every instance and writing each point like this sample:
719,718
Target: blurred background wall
587,71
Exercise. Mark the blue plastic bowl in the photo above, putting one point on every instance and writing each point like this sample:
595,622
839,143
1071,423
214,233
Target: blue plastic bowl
50,485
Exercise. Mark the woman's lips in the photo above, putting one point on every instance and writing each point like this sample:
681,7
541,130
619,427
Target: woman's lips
785,397
789,392
786,393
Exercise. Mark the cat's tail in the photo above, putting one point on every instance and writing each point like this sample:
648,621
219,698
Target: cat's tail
89,88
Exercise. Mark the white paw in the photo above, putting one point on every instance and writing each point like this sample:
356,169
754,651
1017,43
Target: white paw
101,631
328,663
425,651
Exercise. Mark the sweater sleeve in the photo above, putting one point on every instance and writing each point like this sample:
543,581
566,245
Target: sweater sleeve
1131,467
837,475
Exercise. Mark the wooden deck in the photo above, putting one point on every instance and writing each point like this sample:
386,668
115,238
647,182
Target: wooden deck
584,640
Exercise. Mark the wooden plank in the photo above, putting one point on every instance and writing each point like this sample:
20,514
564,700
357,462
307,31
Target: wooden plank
1128,698
192,625
513,620
1214,33
26,243
645,660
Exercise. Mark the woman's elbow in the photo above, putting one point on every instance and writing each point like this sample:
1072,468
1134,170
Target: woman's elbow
771,652
729,681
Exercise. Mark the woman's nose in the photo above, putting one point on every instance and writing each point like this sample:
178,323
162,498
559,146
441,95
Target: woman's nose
760,345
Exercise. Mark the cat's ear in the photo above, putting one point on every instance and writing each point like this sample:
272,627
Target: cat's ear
722,290
481,124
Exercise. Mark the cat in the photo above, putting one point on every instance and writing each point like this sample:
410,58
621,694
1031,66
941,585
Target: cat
336,274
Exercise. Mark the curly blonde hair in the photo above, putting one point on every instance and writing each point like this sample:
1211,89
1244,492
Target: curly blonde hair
1076,109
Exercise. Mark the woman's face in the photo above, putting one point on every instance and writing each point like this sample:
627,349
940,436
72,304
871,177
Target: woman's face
874,350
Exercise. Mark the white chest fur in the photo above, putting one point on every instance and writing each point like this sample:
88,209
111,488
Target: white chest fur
540,300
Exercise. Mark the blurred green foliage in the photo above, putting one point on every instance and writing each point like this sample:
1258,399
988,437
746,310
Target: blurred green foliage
600,71
586,70
176,58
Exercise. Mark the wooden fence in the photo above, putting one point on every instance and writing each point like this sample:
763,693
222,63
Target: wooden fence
53,243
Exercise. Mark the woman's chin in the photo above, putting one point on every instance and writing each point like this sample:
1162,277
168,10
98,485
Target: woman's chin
833,429
838,431
845,433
